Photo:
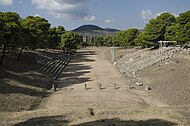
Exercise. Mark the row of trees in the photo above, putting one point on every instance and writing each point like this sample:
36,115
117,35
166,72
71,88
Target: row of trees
165,27
122,38
33,32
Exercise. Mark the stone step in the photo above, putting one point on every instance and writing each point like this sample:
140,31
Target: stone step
55,64
58,65
59,71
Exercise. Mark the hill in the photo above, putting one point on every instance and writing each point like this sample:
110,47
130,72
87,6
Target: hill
111,30
84,28
93,30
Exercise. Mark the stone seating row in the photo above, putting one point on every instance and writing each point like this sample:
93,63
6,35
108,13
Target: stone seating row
42,58
52,66
49,55
129,67
128,57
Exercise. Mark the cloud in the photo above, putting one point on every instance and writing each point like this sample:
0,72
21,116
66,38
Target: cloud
36,15
90,18
6,2
147,14
158,14
109,21
175,15
66,9
138,27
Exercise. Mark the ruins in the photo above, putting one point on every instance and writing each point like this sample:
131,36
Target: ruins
132,63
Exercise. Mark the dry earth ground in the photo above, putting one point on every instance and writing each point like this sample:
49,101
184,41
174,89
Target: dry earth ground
72,104
22,86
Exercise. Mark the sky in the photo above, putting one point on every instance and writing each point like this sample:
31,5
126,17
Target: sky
118,14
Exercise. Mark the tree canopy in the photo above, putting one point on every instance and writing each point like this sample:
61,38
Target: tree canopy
70,40
10,30
155,30
35,31
126,38
31,32
179,30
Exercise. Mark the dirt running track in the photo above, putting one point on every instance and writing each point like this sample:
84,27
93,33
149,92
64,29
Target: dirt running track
92,68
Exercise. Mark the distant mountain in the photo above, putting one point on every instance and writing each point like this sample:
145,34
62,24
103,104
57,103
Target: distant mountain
111,30
87,28
93,30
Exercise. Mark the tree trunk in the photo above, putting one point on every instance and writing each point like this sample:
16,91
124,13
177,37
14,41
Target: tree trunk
7,49
19,53
67,50
2,57
13,48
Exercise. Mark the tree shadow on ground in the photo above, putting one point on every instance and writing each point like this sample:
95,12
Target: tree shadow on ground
22,76
118,122
81,58
30,78
73,73
26,63
87,52
22,86
45,121
6,88
78,67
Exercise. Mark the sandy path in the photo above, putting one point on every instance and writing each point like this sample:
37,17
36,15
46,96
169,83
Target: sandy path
90,67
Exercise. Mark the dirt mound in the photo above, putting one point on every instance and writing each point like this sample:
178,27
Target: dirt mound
170,80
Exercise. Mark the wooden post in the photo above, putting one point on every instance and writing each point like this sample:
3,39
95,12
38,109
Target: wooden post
3,54
115,85
100,86
20,53
85,85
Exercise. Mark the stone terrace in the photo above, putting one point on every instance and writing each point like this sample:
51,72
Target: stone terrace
131,63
